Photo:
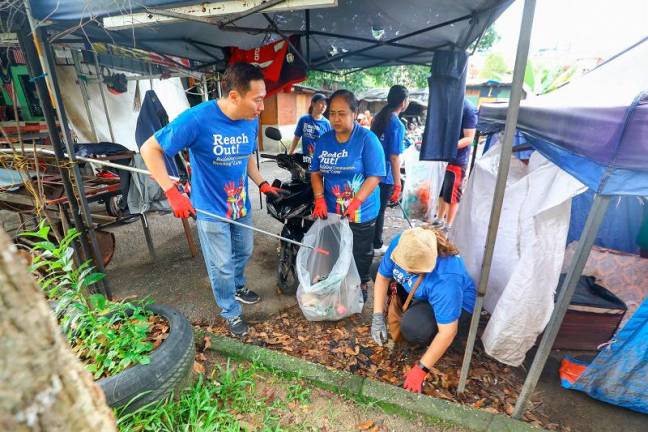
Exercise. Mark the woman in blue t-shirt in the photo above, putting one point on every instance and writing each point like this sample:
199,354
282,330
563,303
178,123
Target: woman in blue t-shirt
311,126
391,131
442,302
347,166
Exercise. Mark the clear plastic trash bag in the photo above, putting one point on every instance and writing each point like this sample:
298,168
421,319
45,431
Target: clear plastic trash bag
423,180
329,285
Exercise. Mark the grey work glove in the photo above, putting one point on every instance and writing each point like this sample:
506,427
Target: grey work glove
378,328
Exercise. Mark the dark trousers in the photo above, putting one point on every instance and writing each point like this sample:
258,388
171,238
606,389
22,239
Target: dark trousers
419,325
385,193
363,234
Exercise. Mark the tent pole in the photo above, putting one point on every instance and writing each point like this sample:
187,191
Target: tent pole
308,36
84,92
594,220
203,85
103,95
49,66
500,185
31,56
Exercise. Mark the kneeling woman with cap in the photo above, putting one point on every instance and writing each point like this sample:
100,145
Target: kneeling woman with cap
444,296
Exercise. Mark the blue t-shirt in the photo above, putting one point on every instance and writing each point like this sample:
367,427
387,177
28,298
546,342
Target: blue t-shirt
309,130
345,166
468,121
448,288
392,142
219,148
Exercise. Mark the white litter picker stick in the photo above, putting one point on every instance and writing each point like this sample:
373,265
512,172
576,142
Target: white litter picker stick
206,213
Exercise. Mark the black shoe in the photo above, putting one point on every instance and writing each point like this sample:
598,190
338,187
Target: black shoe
246,296
237,327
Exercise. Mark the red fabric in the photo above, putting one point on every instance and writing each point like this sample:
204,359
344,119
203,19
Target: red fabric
269,58
179,203
281,64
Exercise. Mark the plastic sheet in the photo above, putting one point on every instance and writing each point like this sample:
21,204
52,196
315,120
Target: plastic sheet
329,285
423,180
529,250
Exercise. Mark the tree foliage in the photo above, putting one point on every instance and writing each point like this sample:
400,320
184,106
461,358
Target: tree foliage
494,68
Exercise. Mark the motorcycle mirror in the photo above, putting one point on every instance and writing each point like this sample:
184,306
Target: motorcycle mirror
273,133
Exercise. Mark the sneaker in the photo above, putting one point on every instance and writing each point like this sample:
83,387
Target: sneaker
237,327
381,250
246,296
438,224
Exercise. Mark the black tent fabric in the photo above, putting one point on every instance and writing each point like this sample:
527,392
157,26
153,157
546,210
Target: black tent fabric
447,84
353,34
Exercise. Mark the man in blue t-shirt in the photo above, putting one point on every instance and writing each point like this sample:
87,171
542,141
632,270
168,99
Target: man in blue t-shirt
221,138
452,189
311,126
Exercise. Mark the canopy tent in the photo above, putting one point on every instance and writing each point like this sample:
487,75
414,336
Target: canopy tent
595,128
352,34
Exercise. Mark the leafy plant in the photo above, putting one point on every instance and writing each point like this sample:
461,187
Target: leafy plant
541,79
108,336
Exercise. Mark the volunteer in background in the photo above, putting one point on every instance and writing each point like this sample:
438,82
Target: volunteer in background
365,119
311,126
391,131
443,301
221,137
345,171
452,187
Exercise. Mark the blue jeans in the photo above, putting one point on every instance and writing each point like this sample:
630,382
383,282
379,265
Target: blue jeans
226,249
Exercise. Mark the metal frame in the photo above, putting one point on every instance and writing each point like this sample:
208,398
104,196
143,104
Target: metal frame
80,210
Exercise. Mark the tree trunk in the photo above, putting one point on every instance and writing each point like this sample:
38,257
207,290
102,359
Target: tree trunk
43,386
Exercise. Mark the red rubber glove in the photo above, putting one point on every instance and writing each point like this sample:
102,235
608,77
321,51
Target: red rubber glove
414,379
179,203
265,188
353,207
396,193
320,211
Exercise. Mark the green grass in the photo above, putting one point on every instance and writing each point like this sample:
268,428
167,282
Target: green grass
226,401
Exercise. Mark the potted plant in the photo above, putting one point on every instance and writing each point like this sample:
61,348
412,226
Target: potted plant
138,352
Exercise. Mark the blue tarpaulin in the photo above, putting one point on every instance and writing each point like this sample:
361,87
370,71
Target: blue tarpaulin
595,128
619,374
620,226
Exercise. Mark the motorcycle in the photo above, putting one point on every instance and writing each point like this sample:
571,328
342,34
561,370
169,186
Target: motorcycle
292,208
